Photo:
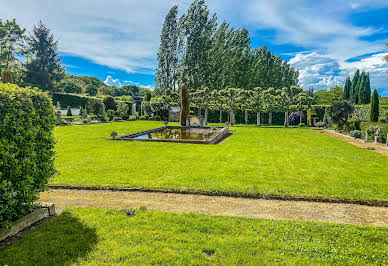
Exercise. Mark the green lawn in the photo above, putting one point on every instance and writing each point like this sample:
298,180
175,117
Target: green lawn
286,161
98,236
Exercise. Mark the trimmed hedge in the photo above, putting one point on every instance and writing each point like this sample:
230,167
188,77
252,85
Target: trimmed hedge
27,122
362,112
73,100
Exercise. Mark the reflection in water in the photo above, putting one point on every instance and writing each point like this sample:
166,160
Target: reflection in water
180,133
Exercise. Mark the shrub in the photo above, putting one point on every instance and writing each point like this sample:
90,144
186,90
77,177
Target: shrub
91,90
355,134
339,111
110,114
382,120
69,111
73,100
85,121
122,110
157,118
301,125
320,124
81,110
295,118
109,102
70,87
144,117
132,118
27,119
117,118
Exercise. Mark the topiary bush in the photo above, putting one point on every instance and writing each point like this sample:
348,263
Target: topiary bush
27,119
301,125
132,118
69,113
144,117
320,124
110,103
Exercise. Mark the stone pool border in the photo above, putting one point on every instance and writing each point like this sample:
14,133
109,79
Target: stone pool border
374,203
221,133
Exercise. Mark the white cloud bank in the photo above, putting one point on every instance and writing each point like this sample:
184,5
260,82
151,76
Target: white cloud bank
109,81
124,34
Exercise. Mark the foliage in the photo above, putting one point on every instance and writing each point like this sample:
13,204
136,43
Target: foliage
85,236
340,111
26,147
320,124
96,108
132,118
144,117
365,126
239,160
110,103
123,110
323,97
11,42
69,86
91,90
42,66
68,113
185,105
355,134
295,118
301,125
110,114
73,100
374,111
359,88
6,75
157,118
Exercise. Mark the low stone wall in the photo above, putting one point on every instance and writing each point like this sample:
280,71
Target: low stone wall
26,221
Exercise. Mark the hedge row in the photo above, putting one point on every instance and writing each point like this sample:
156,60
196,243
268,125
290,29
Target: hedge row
27,122
362,112
73,100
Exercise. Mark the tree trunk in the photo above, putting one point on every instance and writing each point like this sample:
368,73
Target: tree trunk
220,116
258,119
246,117
300,117
270,118
199,111
286,118
232,119
206,115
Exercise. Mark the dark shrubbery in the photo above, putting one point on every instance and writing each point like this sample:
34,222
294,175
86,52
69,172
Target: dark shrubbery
27,121
110,103
340,111
73,100
69,113
110,114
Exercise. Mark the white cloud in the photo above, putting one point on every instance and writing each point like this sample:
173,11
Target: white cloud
112,82
128,82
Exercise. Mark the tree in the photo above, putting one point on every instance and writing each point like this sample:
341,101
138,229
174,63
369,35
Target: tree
364,89
347,88
374,108
42,66
167,71
185,105
70,86
123,110
6,76
287,97
339,111
258,103
68,113
91,90
232,98
11,41
329,96
354,88
109,102
270,103
201,99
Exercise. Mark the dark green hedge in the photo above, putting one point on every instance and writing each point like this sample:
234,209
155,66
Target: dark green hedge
27,122
73,100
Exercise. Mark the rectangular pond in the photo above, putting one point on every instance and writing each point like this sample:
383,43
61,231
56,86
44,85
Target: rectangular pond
195,135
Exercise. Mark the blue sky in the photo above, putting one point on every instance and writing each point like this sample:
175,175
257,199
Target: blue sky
325,40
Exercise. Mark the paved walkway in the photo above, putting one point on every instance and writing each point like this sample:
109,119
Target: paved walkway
227,206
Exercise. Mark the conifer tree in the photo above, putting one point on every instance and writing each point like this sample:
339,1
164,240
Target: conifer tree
185,105
42,66
374,108
354,88
347,88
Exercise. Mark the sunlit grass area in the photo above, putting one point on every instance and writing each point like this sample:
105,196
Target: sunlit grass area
268,160
97,236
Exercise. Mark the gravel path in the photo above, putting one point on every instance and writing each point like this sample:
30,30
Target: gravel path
227,206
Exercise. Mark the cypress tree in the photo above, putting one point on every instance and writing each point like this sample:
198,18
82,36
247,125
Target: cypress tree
361,89
185,105
354,89
368,91
347,88
374,108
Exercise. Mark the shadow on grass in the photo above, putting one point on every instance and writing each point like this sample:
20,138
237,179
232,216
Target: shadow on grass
62,240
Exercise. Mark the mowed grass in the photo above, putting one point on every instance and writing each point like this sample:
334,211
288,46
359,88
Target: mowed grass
99,236
267,160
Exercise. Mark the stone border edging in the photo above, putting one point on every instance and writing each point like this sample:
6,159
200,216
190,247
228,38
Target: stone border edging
374,203
26,221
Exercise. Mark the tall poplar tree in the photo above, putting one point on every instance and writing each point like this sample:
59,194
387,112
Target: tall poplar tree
374,108
43,65
167,71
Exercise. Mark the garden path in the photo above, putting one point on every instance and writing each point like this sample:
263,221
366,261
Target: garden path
219,205
378,147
